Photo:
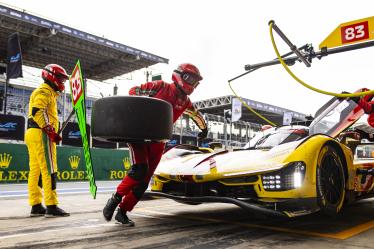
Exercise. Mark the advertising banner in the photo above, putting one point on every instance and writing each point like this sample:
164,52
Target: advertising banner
236,112
14,57
109,164
12,127
71,135
287,118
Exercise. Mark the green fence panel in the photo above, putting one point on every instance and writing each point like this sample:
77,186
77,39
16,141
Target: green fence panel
14,163
109,164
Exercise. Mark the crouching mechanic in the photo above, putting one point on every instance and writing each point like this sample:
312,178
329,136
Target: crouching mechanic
146,156
41,139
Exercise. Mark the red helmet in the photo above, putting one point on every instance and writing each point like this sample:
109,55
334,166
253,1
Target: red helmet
55,75
187,77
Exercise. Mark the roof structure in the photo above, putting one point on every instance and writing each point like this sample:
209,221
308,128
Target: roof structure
217,106
44,42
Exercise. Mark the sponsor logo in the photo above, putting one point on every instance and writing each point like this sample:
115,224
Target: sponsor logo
74,134
15,58
9,126
126,163
120,174
10,175
5,160
74,162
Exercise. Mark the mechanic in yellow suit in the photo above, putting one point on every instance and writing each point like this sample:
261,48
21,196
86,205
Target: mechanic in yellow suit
41,139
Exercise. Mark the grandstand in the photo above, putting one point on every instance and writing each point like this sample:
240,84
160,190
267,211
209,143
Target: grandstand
44,41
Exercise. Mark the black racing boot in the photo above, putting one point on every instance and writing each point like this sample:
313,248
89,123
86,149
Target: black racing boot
122,218
54,211
111,205
37,210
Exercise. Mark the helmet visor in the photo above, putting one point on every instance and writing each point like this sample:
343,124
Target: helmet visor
61,78
190,79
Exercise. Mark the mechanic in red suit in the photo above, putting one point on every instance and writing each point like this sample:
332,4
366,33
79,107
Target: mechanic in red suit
367,104
146,156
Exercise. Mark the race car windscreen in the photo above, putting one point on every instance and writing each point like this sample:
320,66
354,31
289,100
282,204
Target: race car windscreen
334,119
281,136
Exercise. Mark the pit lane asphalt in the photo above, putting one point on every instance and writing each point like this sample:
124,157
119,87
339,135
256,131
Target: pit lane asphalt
163,223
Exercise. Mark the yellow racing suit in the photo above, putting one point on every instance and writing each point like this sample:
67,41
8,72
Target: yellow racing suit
42,151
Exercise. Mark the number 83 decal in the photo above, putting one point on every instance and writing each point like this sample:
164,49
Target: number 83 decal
76,86
355,32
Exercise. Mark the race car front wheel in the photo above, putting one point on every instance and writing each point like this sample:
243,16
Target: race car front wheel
131,119
330,181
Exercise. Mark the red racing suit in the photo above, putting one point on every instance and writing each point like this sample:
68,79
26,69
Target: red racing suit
146,156
368,107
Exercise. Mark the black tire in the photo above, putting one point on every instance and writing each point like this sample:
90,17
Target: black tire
131,119
330,181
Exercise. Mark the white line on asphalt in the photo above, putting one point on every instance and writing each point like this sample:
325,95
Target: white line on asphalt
59,193
61,189
55,230
69,228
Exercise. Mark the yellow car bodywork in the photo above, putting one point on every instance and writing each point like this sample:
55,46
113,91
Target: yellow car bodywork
246,170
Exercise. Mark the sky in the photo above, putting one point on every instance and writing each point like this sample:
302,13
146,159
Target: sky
220,37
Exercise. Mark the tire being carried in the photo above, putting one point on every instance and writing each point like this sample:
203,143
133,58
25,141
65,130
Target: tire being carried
131,119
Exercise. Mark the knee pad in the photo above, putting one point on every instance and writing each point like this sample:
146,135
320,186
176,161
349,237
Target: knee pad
138,171
139,190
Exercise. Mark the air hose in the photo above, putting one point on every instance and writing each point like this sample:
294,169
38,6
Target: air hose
249,108
284,64
339,95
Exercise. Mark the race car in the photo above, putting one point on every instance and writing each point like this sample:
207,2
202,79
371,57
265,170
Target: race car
291,171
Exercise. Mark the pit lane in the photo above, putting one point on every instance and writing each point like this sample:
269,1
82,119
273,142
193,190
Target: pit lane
163,223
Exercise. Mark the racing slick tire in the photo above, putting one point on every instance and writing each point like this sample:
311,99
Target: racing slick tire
330,181
131,119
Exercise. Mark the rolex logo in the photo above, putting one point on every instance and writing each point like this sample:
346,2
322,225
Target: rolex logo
5,160
126,163
74,161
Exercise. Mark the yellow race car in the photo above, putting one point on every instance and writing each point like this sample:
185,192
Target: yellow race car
292,170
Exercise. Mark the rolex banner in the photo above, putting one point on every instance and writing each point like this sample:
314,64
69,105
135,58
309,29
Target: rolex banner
14,57
78,99
113,164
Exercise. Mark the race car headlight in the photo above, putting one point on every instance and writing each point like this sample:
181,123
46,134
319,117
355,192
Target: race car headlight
289,177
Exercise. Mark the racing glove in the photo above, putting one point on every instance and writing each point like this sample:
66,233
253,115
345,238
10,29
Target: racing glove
51,133
203,134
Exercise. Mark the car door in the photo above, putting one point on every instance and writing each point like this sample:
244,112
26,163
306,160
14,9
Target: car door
335,116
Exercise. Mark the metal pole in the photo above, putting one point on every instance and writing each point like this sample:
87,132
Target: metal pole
63,105
5,94
65,123
249,132
225,128
290,44
181,130
207,125
230,132
246,132
146,74
319,54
